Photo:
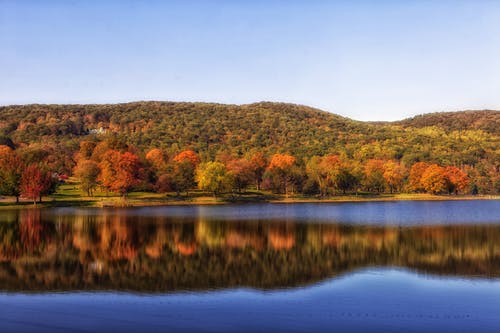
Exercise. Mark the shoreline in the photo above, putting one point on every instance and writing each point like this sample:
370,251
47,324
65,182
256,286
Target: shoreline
118,202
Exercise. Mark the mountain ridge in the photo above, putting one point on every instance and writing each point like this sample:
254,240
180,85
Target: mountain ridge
402,121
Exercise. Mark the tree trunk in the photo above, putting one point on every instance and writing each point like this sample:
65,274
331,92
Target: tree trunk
17,199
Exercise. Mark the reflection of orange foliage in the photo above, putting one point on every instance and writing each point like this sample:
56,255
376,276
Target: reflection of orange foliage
281,239
118,240
432,233
81,241
331,237
186,249
379,238
30,229
238,239
153,250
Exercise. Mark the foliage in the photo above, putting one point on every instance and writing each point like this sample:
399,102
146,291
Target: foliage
35,182
282,171
10,172
213,177
87,172
434,179
166,141
120,172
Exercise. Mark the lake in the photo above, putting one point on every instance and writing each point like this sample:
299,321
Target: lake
406,266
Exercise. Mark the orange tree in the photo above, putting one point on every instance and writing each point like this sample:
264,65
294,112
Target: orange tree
120,172
281,167
10,172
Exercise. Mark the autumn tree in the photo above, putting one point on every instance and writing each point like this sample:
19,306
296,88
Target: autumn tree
35,182
177,177
157,158
415,177
10,172
324,171
456,180
241,172
258,164
345,180
120,172
187,156
393,175
180,172
282,167
213,177
164,184
86,149
434,179
315,172
374,175
87,172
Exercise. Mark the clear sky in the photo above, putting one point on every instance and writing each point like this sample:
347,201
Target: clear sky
368,60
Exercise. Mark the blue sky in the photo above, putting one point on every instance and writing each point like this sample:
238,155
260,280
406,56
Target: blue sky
369,60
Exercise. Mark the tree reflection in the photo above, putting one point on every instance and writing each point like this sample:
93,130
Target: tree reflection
163,254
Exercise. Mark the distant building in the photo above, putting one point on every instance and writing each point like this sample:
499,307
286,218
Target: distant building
99,130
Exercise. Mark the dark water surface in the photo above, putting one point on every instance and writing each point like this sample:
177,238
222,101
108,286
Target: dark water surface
351,267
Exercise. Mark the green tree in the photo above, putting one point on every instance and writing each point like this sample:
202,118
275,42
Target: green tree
213,177
87,172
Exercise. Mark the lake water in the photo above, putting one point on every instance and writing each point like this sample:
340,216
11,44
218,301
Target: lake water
346,267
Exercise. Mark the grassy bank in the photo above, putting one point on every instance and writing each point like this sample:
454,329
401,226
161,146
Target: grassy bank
69,195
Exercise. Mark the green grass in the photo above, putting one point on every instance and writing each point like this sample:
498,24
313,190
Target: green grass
69,194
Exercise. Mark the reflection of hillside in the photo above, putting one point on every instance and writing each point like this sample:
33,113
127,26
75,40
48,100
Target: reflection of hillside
161,254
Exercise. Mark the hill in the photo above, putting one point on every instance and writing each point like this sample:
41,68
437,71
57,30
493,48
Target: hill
486,120
447,138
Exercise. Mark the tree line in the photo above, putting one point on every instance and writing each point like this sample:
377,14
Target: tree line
114,166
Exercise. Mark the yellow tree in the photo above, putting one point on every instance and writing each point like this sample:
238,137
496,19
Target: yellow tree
393,175
213,177
374,175
315,171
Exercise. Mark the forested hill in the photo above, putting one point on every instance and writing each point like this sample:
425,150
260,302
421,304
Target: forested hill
486,120
210,129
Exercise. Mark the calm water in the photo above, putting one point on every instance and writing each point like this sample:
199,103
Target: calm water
360,267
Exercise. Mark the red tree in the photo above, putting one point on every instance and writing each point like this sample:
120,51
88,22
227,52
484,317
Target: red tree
35,182
456,179
258,163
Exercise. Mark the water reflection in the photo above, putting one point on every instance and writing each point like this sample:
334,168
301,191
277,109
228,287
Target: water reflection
40,251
